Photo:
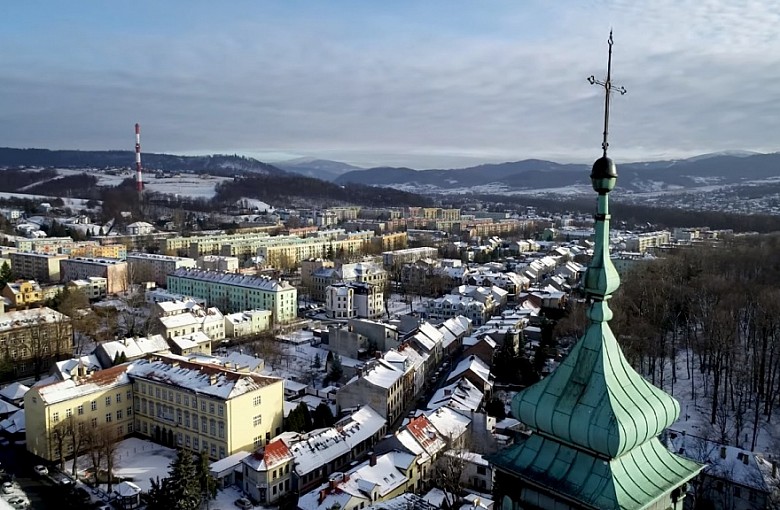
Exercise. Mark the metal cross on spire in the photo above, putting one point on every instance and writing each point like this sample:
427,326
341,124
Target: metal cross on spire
608,88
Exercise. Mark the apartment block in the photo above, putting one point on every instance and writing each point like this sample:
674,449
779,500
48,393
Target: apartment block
113,270
32,340
152,267
94,250
41,267
94,287
234,292
218,263
354,299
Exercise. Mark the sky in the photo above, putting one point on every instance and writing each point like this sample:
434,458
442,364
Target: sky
433,84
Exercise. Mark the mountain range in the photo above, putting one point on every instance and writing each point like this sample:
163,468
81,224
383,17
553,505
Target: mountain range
530,175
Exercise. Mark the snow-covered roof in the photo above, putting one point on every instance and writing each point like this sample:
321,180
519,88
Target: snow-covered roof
191,340
474,365
421,438
381,478
461,395
133,347
14,391
233,279
14,424
380,373
448,423
228,463
34,316
200,378
71,388
269,456
127,489
406,501
7,407
64,369
319,447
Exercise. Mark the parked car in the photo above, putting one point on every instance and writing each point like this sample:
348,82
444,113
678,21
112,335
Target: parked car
244,503
8,487
41,470
19,502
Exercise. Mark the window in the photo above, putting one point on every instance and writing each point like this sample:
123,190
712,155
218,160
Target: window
256,401
178,398
194,402
221,452
108,401
129,411
187,419
120,430
145,429
203,424
195,421
213,450
202,406
108,417
93,422
481,470
257,420
94,405
80,410
222,430
143,388
186,400
143,405
178,417
68,412
212,427
157,392
119,414
187,441
55,417
118,397
129,395
221,410
258,442
130,428
211,408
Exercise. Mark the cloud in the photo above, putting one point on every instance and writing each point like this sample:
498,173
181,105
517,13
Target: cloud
372,89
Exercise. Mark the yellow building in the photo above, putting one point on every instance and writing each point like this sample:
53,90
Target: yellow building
204,408
105,251
23,293
101,400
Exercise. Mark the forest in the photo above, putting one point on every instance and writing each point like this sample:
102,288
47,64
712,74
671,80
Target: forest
704,323
300,191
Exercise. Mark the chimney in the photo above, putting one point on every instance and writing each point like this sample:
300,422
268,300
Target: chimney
333,483
323,494
774,469
722,452
745,458
372,459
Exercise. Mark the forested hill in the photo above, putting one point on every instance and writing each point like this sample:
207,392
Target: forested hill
214,164
298,191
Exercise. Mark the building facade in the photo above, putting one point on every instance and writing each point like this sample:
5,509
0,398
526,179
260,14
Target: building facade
113,270
42,267
234,293
152,267
31,341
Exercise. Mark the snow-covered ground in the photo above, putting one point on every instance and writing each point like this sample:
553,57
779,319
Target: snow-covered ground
185,185
695,412
137,460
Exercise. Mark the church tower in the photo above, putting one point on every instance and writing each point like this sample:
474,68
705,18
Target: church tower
594,421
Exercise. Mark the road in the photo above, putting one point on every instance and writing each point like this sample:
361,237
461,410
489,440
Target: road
41,492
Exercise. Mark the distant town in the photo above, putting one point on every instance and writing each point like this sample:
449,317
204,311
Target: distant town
335,357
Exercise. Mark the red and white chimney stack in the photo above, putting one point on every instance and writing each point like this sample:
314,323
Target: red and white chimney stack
139,181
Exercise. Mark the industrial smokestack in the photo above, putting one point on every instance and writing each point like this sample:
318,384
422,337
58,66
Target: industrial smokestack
139,181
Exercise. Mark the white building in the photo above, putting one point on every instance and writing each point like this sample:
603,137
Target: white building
140,228
94,287
249,322
354,299
209,321
218,263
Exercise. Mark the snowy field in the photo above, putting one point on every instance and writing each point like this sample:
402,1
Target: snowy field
185,185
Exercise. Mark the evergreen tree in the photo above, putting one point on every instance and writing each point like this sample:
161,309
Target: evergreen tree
306,417
183,486
322,416
336,370
208,484
158,496
317,361
5,273
496,408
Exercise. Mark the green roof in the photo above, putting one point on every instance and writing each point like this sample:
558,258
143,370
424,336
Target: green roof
630,482
595,400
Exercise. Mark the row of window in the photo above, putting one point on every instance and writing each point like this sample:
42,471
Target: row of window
182,399
120,414
214,450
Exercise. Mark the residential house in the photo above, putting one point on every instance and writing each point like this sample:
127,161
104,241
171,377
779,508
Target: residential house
476,371
191,343
94,287
130,349
249,322
378,384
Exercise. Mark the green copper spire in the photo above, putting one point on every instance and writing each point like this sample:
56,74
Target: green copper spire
595,420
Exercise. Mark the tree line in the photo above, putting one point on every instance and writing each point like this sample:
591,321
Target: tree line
712,315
